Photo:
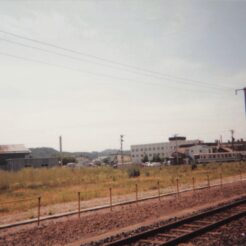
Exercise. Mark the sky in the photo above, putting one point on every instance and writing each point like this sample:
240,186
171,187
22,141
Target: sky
145,69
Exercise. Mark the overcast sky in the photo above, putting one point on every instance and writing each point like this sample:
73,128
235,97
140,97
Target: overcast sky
190,56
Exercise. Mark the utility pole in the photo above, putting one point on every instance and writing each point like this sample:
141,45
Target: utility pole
236,91
232,138
121,148
243,89
60,147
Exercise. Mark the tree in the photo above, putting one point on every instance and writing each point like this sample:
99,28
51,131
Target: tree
156,158
66,160
145,158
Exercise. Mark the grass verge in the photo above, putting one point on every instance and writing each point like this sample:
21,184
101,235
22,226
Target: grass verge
60,185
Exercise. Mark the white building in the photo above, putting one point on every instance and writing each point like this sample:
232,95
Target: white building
199,149
164,150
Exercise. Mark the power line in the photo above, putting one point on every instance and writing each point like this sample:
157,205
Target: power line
55,53
113,62
88,72
79,59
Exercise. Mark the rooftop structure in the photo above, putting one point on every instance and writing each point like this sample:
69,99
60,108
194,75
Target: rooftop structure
13,148
12,152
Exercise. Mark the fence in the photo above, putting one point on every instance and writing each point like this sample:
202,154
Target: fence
110,205
38,199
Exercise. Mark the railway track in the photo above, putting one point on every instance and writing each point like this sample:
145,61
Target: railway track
185,229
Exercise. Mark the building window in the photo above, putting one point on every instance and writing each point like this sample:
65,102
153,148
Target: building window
149,148
133,156
141,149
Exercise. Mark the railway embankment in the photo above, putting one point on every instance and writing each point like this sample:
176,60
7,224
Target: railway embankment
95,226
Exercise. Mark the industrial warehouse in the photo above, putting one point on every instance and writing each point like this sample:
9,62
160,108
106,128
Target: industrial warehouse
16,156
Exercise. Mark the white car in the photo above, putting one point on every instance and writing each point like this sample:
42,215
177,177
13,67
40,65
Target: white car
71,164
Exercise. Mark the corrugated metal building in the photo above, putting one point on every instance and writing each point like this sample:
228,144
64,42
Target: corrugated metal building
12,152
17,164
17,156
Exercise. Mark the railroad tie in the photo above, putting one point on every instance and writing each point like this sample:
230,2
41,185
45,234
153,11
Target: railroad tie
213,233
181,230
192,226
151,242
204,222
165,235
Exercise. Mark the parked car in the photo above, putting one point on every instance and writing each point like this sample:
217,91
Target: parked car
71,164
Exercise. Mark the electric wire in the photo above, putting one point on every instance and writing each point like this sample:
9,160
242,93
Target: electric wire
79,59
91,73
115,62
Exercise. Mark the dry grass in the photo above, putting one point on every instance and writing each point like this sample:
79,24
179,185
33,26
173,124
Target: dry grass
58,185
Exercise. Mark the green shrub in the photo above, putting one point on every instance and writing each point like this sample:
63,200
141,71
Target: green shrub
193,166
66,160
133,172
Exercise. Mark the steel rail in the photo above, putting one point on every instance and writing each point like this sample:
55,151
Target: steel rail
186,236
204,229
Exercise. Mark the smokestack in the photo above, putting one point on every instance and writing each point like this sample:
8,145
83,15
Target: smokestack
60,143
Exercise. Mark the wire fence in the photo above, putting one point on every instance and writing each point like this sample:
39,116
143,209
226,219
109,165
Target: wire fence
157,193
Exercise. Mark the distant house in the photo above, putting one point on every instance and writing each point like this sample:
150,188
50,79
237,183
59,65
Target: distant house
14,151
186,153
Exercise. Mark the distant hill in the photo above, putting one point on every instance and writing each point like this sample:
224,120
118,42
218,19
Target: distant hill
109,152
45,152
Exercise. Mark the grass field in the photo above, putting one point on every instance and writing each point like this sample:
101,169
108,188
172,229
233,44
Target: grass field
59,185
